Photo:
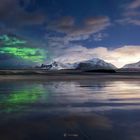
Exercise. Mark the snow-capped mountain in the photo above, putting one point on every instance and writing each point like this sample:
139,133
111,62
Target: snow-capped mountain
92,64
95,64
58,66
132,66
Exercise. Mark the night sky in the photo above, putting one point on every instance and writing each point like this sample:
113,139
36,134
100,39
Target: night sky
33,32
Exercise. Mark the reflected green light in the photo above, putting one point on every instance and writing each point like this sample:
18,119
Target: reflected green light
25,96
21,99
20,49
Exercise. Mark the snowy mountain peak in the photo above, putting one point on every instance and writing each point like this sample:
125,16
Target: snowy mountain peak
95,63
133,65
57,66
92,64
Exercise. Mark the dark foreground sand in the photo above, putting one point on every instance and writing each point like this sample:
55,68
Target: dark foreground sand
67,77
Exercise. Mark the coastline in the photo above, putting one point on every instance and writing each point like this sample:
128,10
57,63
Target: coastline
71,76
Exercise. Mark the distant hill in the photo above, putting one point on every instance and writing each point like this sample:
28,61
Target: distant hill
89,65
95,64
133,65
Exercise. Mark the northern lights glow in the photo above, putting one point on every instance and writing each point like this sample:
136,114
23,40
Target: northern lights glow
11,41
30,54
20,49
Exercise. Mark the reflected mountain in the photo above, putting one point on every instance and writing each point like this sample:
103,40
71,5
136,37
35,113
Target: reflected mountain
69,96
81,110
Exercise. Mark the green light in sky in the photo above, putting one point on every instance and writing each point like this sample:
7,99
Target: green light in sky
30,54
11,40
20,49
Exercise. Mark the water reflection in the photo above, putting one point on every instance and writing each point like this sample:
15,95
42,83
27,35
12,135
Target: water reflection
19,99
70,96
70,110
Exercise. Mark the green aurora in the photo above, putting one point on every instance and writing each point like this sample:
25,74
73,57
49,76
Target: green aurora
20,49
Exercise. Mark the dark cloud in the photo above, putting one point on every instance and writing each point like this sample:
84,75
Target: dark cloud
65,22
25,18
73,31
131,13
7,7
99,36
129,20
135,4
5,57
14,15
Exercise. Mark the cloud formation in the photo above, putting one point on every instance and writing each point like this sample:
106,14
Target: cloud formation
7,7
66,30
135,4
119,56
133,21
68,26
14,15
131,13
99,36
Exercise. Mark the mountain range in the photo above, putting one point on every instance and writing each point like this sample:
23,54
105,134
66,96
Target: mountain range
132,66
92,64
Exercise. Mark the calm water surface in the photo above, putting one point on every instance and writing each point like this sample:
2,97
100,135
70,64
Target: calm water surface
73,110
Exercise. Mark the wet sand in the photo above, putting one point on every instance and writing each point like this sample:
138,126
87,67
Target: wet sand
70,76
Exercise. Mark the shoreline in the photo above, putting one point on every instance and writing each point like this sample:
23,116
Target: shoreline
70,77
65,75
